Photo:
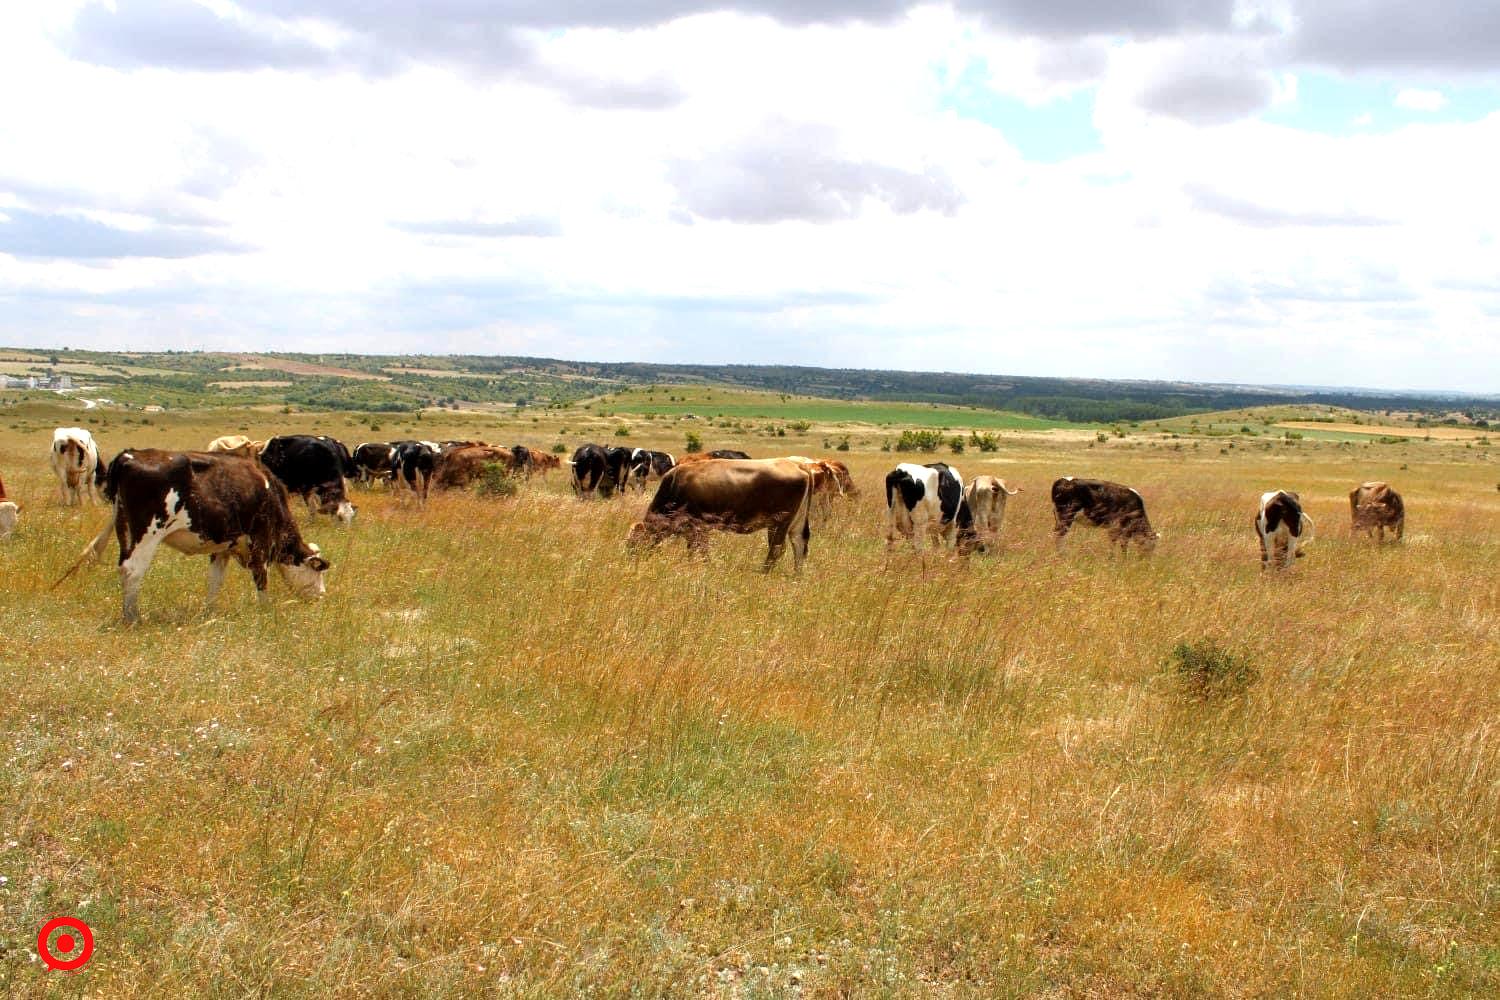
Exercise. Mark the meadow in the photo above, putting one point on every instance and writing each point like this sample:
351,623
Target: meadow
505,757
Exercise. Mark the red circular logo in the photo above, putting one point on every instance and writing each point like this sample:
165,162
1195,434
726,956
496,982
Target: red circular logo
65,944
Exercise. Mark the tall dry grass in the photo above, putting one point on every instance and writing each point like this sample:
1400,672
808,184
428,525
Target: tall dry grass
504,756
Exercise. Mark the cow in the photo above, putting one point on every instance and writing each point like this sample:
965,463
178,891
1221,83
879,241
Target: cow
522,460
9,512
987,496
1373,507
203,503
374,460
923,500
75,462
644,464
459,467
1118,509
415,463
830,478
617,462
237,444
1283,527
544,462
728,453
592,470
313,468
741,496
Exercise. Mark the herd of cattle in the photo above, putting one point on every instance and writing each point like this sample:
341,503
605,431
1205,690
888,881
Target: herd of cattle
232,501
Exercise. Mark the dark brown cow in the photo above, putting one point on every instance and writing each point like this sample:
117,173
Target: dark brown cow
1373,507
459,467
1118,509
737,495
204,503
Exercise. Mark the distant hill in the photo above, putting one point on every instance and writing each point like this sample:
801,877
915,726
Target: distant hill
389,383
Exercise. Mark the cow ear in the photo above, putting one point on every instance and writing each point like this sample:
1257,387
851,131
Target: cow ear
316,563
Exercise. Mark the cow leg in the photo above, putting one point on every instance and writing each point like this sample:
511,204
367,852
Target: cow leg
1265,551
257,568
133,569
1400,529
800,540
775,543
1063,525
218,563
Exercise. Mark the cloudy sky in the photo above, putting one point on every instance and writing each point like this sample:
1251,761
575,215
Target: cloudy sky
1285,191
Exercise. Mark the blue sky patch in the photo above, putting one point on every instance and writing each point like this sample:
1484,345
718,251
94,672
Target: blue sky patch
1334,105
1050,132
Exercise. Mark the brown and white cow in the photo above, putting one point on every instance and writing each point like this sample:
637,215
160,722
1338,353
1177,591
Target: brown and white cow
237,444
1118,509
738,495
204,503
1373,507
987,496
9,512
458,467
1284,529
75,462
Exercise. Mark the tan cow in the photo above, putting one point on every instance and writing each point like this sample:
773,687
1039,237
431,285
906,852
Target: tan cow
987,496
738,495
1373,507
9,512
237,444
458,467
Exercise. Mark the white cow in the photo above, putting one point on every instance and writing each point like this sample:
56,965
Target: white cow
986,496
1284,527
925,500
75,462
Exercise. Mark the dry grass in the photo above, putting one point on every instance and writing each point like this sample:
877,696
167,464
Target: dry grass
505,757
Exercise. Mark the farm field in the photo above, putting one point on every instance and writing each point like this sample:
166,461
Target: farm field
506,757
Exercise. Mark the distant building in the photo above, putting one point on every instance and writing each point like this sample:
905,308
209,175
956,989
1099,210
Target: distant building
53,383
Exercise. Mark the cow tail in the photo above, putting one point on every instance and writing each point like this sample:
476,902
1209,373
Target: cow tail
804,509
94,550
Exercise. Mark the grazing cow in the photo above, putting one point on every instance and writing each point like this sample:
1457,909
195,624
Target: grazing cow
415,463
9,512
617,462
830,478
375,460
923,500
592,471
732,495
457,468
522,460
75,462
204,503
544,462
1118,509
644,464
237,444
987,496
313,468
1373,507
1283,528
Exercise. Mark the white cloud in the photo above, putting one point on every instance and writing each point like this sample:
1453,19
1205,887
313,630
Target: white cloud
1412,99
721,186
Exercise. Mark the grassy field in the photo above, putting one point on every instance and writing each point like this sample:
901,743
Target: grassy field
704,401
503,757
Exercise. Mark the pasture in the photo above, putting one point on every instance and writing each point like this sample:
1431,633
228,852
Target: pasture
505,757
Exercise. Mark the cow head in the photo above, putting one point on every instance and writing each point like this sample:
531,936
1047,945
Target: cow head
331,500
640,536
303,571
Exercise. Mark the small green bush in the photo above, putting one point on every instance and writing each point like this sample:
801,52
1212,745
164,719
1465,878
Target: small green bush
622,431
956,444
1207,670
919,441
496,481
559,449
693,441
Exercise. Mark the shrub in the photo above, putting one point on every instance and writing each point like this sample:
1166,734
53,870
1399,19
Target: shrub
800,426
693,441
984,442
843,444
495,481
559,449
622,431
919,441
956,444
1207,670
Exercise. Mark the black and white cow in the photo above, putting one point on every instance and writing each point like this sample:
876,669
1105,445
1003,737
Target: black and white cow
416,461
646,464
313,468
204,503
617,461
375,460
75,462
1283,527
591,471
924,500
